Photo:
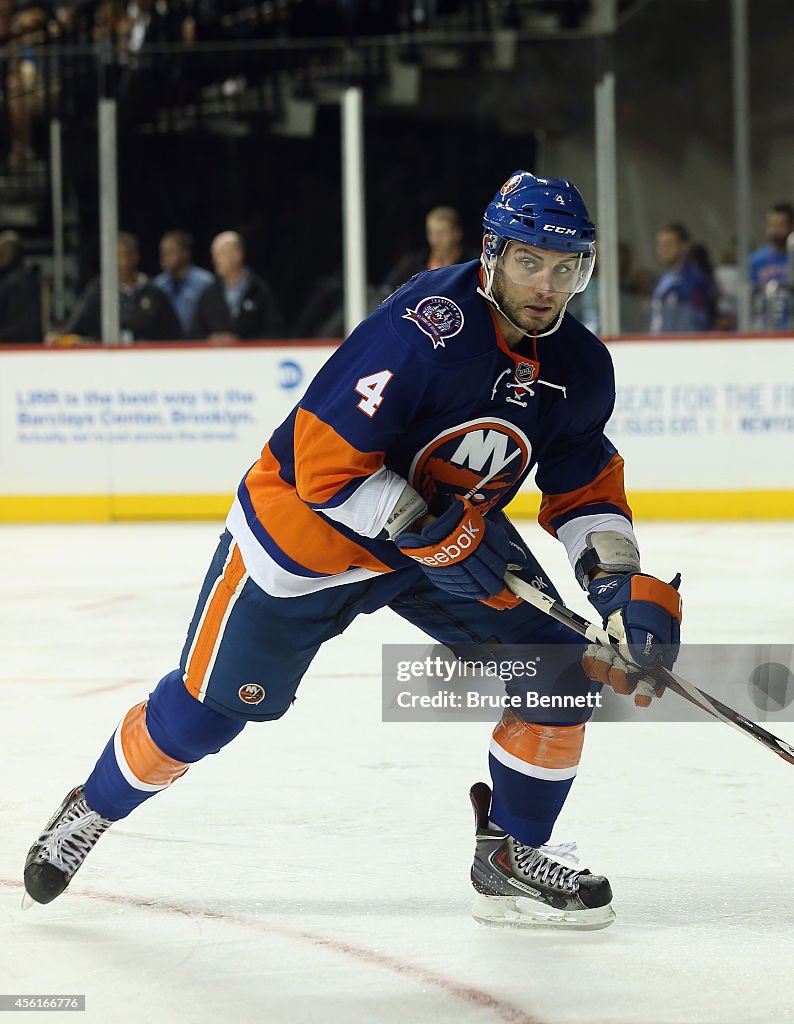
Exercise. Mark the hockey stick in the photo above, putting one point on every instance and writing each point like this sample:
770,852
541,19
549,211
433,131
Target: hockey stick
690,692
481,483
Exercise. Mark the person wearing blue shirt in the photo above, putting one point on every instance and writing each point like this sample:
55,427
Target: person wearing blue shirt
682,300
770,275
181,280
770,262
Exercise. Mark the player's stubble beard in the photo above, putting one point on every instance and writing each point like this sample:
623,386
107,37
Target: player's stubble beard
513,299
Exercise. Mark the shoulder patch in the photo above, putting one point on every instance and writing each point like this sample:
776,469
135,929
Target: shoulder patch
438,317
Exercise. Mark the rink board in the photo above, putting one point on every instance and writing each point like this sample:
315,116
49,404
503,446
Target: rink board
97,434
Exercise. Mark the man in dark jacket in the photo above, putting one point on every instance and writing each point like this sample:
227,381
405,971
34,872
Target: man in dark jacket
145,312
20,296
238,304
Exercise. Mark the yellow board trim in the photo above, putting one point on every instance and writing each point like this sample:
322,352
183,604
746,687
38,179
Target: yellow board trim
720,505
103,508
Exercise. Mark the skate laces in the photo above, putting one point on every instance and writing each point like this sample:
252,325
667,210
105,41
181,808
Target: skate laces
67,844
541,864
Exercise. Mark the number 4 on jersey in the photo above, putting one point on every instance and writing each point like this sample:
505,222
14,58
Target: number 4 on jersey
371,389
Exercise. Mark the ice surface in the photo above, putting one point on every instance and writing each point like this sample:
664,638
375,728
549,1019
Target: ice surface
317,869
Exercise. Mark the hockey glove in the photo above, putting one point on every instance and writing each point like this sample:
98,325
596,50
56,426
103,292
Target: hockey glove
644,615
466,555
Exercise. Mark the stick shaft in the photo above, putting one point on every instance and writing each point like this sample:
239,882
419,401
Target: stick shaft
486,479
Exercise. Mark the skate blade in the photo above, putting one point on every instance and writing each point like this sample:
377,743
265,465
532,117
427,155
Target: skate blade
518,912
27,900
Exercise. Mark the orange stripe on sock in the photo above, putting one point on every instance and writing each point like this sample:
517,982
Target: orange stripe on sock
144,758
547,746
208,632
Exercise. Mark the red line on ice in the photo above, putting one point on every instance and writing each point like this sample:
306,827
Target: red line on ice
467,993
118,685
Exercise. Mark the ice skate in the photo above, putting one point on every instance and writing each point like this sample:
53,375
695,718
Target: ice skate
60,850
520,886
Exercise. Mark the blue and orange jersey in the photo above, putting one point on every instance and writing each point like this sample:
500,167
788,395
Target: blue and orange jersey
426,390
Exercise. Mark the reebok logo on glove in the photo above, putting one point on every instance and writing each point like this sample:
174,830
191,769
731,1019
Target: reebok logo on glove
466,554
456,549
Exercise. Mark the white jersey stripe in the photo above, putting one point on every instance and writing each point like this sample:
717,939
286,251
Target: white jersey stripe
269,575
221,629
370,505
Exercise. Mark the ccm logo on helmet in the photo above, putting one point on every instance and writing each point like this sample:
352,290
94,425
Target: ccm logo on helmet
450,553
558,230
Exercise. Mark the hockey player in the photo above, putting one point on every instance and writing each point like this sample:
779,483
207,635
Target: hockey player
384,486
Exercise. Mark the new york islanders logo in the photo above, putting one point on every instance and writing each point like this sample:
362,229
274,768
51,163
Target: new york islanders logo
510,184
481,459
251,693
438,317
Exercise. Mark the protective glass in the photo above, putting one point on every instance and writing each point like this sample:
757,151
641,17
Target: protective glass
546,269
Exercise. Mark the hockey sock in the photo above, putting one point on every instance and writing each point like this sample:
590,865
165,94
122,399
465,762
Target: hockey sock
155,744
532,769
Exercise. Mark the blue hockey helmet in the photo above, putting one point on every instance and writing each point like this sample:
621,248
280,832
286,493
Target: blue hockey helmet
546,212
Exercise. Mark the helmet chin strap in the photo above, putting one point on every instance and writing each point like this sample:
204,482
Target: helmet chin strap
487,294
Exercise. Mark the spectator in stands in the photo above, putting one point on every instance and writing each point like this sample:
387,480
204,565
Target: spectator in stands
25,85
181,280
444,233
770,275
700,257
145,313
682,300
238,304
770,262
20,295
